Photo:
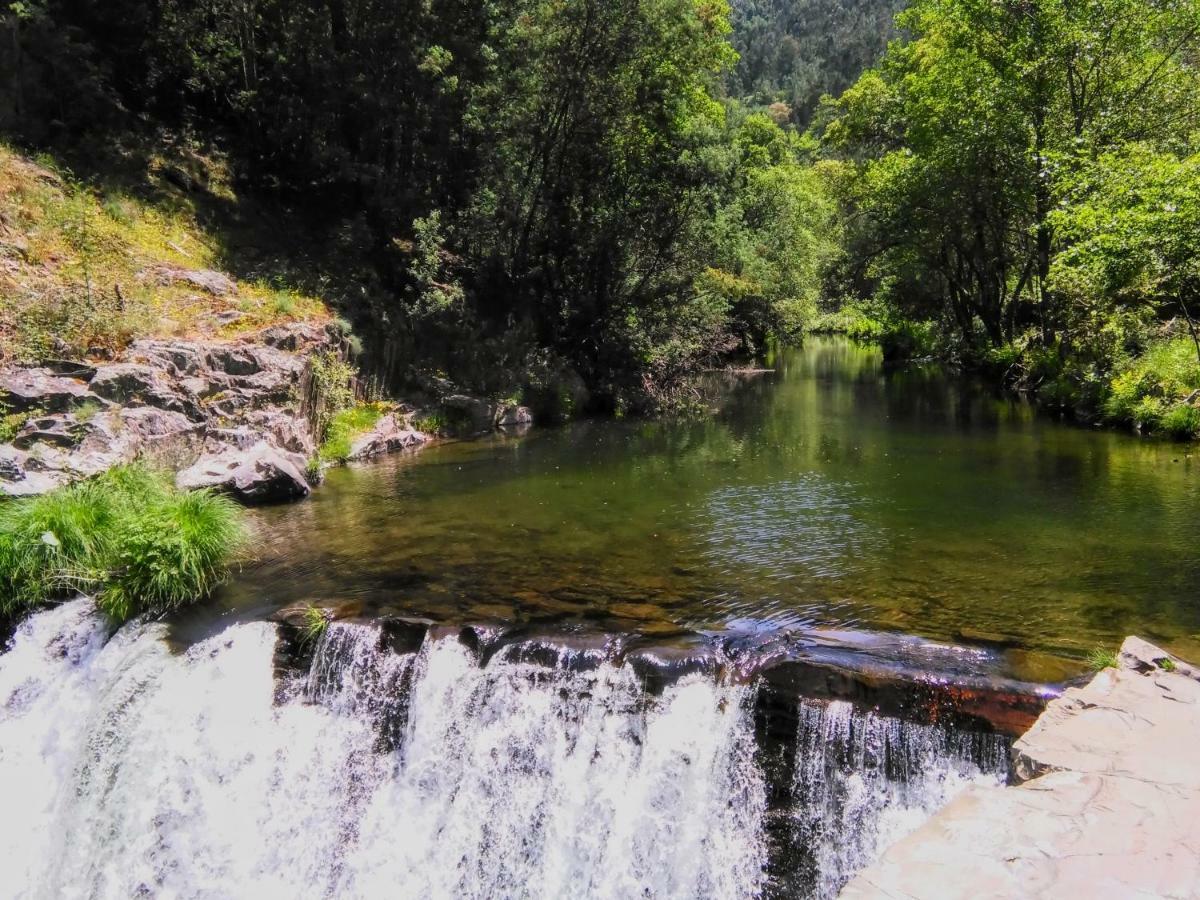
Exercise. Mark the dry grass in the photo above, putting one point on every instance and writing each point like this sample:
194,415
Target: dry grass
80,269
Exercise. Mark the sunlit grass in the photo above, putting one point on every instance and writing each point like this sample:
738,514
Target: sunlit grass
128,537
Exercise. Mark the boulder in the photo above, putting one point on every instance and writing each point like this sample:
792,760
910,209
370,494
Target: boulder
260,474
514,417
470,414
216,283
60,430
390,434
134,383
41,390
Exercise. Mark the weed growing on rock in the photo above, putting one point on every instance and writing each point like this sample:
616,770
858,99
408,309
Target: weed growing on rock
1101,659
345,426
316,622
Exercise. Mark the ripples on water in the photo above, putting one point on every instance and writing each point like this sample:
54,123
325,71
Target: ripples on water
833,493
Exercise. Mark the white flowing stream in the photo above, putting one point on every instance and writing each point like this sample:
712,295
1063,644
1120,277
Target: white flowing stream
129,769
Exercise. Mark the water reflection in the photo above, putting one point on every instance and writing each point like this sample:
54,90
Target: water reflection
833,492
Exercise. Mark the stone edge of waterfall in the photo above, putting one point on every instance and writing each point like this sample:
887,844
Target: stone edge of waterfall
785,666
1101,800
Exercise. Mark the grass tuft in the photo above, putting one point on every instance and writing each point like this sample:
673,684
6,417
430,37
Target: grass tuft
128,536
345,426
1101,659
316,622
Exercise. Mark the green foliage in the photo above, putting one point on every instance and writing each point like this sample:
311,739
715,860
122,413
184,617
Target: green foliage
1024,178
332,390
793,52
1100,659
172,552
1155,391
1167,664
345,426
316,623
128,536
431,423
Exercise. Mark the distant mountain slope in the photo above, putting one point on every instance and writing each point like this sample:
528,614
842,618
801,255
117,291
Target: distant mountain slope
794,51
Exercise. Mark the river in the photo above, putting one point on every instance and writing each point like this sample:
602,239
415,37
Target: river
832,493
670,659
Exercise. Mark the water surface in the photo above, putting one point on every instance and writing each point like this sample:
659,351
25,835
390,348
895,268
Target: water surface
833,492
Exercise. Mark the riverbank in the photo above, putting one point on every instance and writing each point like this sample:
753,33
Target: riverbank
1104,798
1145,379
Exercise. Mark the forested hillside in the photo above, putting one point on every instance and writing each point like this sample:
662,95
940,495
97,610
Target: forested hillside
793,52
526,187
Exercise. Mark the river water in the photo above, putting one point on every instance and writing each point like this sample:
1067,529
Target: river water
544,680
832,493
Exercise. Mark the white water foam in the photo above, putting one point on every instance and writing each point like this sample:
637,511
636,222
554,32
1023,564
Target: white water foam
151,773
864,781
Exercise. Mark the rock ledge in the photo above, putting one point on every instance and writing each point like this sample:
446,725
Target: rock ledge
1108,794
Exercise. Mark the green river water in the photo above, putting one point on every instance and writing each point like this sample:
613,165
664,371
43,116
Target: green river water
832,493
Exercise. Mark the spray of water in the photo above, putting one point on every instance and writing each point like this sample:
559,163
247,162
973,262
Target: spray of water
132,770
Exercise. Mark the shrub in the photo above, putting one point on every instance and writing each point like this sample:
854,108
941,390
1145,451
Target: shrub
1146,390
128,536
1181,421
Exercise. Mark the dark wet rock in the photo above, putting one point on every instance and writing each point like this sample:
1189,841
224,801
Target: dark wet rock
260,474
469,414
481,640
41,390
661,666
403,635
390,434
570,652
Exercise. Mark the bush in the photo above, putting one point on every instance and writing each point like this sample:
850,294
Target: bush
905,340
1181,422
128,536
1151,392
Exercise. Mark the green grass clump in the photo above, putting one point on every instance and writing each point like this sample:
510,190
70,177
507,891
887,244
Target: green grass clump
1101,659
127,536
316,621
345,425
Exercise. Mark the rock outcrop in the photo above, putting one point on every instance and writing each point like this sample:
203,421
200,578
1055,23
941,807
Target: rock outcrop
228,413
391,433
1109,793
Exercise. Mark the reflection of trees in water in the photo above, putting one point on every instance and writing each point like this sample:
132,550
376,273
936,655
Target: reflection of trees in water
909,498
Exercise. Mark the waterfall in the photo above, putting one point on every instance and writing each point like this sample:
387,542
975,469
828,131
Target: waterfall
863,781
131,768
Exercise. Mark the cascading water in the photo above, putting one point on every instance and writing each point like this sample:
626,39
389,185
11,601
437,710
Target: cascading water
131,769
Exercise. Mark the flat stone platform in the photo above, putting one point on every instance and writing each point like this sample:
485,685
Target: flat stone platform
1108,804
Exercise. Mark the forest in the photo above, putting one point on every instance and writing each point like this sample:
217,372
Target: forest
628,191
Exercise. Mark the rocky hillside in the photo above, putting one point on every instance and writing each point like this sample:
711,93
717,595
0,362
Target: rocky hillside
125,337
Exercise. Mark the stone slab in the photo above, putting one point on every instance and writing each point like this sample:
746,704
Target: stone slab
1109,807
